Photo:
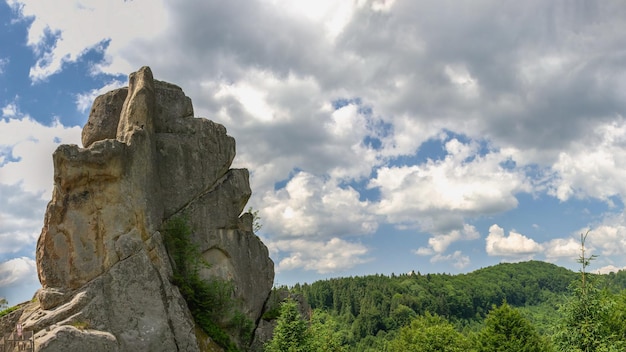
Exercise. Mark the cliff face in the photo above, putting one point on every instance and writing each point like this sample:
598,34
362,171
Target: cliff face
101,259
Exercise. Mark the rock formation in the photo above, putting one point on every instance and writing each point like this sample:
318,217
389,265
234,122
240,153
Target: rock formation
105,271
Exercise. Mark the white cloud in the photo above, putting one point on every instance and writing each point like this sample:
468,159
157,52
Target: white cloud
609,239
315,207
18,279
562,248
26,180
287,123
609,269
331,15
21,217
77,26
440,242
334,255
85,100
10,110
515,245
463,183
594,166
457,258
27,145
17,271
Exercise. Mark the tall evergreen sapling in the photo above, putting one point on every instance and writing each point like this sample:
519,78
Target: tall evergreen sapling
585,315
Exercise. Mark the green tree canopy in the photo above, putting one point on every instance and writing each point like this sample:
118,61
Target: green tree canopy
290,334
429,333
587,325
506,330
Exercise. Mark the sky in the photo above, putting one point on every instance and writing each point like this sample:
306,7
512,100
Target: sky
381,136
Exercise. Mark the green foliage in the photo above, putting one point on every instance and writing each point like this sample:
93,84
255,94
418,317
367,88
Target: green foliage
371,311
506,330
402,315
326,333
587,325
272,314
3,303
617,316
290,334
256,220
429,333
244,325
210,302
8,310
463,299
272,306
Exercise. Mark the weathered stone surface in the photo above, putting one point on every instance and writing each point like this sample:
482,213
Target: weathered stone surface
182,160
104,117
101,258
70,339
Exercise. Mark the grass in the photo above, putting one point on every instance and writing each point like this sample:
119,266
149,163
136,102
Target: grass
8,310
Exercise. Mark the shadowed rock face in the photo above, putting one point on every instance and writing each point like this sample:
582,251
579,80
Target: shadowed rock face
100,256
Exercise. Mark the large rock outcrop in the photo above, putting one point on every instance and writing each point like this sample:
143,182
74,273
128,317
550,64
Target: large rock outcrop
105,271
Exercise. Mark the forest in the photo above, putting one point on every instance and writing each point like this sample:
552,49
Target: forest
527,306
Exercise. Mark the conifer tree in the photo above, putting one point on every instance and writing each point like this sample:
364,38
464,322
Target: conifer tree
290,334
506,330
585,315
429,333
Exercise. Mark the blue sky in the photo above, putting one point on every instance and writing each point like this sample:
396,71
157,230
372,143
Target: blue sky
381,136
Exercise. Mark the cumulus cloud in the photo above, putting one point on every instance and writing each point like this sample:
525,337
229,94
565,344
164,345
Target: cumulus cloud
10,110
311,206
21,219
58,32
17,271
280,127
464,183
562,248
594,166
18,279
27,145
334,255
514,246
439,243
609,239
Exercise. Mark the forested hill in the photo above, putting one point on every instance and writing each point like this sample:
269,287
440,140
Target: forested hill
540,307
456,297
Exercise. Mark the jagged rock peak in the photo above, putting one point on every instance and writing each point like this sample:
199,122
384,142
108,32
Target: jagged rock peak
101,257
